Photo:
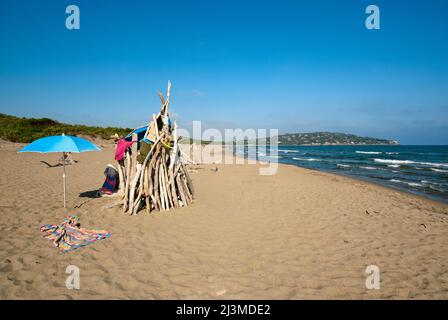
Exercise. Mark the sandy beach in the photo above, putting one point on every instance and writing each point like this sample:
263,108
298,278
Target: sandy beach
298,234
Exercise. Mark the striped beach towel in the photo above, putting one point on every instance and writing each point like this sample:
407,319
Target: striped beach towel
68,236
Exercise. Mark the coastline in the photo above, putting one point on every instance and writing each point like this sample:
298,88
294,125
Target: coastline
299,234
386,187
353,178
412,174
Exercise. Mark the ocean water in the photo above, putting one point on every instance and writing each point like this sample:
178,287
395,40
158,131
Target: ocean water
421,170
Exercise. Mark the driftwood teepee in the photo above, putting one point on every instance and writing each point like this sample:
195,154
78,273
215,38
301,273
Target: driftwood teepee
158,180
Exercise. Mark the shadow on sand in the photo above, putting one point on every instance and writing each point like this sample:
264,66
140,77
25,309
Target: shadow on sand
52,165
58,164
89,194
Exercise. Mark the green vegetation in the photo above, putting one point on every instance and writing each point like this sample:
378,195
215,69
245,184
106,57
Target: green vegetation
26,130
329,138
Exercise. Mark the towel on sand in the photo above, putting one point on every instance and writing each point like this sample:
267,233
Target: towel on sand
68,236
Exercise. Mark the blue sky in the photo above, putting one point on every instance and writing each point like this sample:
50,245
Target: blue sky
299,66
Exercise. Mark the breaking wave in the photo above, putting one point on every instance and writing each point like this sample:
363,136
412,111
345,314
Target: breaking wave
369,152
289,151
439,170
430,164
306,159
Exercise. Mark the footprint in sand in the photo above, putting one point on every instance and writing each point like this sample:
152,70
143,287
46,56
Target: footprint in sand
221,292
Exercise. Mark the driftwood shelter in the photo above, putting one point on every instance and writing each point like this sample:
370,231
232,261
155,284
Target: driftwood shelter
152,173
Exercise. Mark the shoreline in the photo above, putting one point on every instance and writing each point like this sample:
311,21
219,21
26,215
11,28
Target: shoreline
416,185
375,183
365,180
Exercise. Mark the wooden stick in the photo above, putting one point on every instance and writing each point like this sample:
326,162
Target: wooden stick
167,187
133,186
121,182
173,191
128,181
173,159
151,174
167,101
161,185
162,99
185,187
165,194
133,155
148,156
161,193
156,186
188,180
146,187
150,188
156,126
181,191
166,180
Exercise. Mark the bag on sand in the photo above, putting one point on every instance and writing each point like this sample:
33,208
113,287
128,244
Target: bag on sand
111,182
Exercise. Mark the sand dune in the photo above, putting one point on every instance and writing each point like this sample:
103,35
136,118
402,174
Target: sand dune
299,234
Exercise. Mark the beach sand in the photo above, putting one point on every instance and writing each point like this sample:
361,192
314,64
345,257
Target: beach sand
298,234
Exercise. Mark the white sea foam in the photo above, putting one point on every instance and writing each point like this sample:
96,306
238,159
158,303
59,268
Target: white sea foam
306,159
343,165
432,164
439,170
394,165
437,188
392,152
411,184
369,152
368,168
414,184
393,161
289,151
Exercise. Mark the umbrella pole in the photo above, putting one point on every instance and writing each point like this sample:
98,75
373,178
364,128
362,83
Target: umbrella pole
63,178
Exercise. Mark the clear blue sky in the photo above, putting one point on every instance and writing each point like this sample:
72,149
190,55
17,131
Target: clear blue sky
299,66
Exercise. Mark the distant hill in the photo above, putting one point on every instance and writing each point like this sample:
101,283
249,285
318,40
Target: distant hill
26,130
313,138
330,138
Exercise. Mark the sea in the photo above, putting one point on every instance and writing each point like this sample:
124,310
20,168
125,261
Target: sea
421,170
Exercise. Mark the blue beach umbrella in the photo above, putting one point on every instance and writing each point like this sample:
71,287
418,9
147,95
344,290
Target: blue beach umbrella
62,144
